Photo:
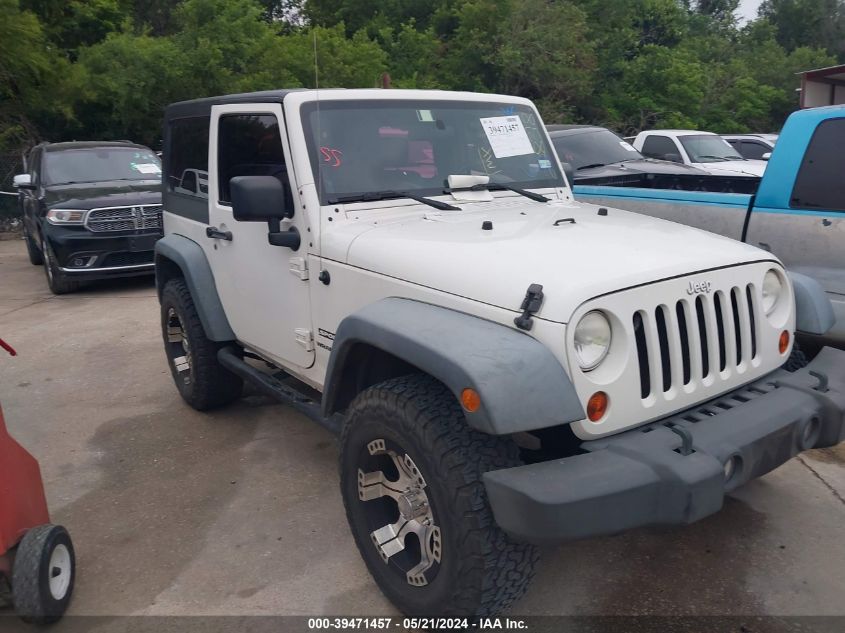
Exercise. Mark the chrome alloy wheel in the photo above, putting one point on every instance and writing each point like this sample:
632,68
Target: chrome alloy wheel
406,535
178,346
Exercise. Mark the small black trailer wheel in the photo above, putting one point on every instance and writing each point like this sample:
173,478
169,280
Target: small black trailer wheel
43,573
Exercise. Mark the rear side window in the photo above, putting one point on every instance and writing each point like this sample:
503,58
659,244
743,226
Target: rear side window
249,145
753,150
659,146
821,178
188,155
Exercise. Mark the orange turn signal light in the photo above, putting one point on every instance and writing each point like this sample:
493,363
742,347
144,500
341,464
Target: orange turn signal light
783,342
597,406
470,400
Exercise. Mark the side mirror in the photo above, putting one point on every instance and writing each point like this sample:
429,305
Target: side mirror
23,181
263,199
569,172
671,156
258,199
766,156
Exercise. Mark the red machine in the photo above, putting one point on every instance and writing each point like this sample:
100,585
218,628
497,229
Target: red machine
36,558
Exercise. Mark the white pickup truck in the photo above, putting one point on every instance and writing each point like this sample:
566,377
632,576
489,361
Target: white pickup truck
703,150
505,366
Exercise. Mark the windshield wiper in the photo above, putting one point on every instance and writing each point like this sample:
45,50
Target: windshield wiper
590,166
498,186
372,196
709,156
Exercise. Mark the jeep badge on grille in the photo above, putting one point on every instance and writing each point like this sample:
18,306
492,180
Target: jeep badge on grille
699,287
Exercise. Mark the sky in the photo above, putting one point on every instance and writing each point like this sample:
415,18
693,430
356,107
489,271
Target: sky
748,9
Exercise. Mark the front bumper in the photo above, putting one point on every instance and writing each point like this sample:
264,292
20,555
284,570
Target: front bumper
646,477
83,254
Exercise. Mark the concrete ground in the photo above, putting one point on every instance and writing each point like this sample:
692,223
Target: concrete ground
238,511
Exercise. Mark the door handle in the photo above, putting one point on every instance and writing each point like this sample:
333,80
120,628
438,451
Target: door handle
214,233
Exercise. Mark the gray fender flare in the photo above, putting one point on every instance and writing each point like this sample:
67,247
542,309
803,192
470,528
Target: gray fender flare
189,258
522,385
813,310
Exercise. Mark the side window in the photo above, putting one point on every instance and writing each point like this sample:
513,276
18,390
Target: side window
753,150
820,183
189,181
656,146
249,145
188,154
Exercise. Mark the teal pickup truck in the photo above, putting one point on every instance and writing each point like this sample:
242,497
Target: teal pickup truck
798,212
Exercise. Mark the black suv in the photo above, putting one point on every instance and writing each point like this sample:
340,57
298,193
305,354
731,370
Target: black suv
92,210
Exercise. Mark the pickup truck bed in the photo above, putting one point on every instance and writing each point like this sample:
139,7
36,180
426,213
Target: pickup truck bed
798,212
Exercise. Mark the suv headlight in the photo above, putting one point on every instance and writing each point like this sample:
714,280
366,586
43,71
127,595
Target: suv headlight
772,290
592,340
65,216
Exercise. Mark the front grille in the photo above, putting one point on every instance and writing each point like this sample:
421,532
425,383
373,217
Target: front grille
694,339
144,217
126,258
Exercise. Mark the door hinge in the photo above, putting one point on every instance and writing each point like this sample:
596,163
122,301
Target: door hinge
305,338
299,267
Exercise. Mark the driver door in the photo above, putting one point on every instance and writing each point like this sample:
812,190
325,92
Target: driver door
263,288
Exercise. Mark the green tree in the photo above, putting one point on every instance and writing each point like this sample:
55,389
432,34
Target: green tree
71,24
547,56
342,62
374,15
803,23
414,57
29,78
154,17
125,83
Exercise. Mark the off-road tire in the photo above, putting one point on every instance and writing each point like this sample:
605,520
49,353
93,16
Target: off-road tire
797,359
482,570
57,281
31,592
32,251
206,384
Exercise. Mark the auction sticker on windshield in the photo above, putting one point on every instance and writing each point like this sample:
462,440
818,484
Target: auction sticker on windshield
148,168
507,136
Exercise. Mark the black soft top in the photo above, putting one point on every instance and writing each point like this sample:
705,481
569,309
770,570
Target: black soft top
202,107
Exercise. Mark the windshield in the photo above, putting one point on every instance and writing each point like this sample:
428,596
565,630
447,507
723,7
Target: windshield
596,147
360,147
706,148
98,164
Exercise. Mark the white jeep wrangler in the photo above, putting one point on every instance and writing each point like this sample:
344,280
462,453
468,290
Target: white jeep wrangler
504,365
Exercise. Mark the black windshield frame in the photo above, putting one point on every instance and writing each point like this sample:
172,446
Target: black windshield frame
551,174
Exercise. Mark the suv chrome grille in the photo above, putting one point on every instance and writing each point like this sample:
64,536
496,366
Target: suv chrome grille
693,340
141,217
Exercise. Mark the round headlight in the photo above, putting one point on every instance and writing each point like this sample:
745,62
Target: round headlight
772,290
592,340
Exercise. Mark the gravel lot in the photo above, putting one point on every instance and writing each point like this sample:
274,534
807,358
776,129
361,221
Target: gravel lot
238,511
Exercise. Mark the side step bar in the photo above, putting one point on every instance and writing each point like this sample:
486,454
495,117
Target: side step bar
278,390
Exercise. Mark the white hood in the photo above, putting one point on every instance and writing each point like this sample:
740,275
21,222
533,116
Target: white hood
449,251
734,168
